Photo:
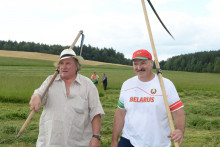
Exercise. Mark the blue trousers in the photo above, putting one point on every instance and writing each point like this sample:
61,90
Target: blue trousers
124,142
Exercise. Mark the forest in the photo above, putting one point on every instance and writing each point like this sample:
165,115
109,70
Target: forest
207,61
108,55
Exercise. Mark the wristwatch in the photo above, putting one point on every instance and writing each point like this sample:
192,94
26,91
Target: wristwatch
97,136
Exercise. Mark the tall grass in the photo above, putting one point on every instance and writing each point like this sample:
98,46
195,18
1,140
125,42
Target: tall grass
200,93
194,81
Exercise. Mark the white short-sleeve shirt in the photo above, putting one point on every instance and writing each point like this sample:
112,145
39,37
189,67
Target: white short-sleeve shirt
146,121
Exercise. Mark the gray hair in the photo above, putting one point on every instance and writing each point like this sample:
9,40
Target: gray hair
78,65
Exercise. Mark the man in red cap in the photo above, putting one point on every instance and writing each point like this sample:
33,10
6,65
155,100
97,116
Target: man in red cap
141,113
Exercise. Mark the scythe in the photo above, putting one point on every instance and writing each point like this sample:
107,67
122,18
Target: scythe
157,63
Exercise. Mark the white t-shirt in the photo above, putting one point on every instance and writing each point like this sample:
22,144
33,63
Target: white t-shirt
146,121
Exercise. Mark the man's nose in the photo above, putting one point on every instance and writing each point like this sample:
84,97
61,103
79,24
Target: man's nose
139,67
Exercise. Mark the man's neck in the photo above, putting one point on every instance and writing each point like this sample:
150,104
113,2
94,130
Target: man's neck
148,78
70,79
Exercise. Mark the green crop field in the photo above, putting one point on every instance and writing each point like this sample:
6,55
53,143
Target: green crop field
200,93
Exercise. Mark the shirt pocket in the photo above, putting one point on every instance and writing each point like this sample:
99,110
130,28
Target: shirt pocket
79,105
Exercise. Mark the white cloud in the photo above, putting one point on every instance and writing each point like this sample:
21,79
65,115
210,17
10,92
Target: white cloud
118,24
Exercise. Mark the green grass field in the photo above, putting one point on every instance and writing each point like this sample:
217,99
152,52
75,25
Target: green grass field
200,93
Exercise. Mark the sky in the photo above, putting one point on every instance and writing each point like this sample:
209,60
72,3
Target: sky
117,24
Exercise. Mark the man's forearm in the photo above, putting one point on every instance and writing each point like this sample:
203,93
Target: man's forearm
96,124
118,124
179,119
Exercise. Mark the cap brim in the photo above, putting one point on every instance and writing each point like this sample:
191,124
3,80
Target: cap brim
142,58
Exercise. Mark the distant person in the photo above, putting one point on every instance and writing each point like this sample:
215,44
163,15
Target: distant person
141,114
72,109
104,81
95,78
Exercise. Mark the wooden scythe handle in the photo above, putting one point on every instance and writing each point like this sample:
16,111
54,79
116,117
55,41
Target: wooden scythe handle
32,112
158,67
77,37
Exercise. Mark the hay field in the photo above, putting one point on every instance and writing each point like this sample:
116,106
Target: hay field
43,56
19,77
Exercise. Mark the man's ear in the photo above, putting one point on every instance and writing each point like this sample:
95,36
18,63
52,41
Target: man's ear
152,63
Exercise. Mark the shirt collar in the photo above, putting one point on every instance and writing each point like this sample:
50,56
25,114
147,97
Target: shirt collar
78,78
58,77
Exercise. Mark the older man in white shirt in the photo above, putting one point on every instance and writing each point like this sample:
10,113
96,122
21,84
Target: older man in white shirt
72,109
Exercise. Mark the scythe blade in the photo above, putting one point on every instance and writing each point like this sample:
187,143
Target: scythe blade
155,12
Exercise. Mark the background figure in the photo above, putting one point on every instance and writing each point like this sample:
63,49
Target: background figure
104,81
95,78
72,110
141,114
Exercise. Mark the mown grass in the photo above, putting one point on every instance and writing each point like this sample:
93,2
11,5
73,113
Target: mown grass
199,92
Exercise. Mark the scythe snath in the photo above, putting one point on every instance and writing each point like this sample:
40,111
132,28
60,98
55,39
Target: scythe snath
48,86
159,73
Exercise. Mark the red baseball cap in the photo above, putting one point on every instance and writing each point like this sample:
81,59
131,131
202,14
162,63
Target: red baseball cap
142,54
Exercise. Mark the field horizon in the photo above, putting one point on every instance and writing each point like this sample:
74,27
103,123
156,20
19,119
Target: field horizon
44,56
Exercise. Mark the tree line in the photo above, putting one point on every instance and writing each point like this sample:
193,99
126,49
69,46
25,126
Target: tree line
207,61
88,52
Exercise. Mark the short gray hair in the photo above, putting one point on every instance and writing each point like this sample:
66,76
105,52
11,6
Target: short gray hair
78,65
